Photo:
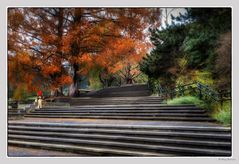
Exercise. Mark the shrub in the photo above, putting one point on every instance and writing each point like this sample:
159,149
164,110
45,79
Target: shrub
223,115
188,100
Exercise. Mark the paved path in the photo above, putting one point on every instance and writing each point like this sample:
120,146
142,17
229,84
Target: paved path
14,151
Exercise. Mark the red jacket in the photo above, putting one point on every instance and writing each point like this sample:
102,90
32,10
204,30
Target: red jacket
39,93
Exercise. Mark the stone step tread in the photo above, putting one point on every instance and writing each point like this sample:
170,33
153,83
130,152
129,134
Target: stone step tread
104,137
136,88
108,98
90,149
144,132
115,102
83,98
149,147
114,98
146,98
120,95
107,103
142,105
165,113
9,113
124,93
130,106
144,86
115,126
125,117
122,108
129,85
14,110
125,90
116,111
123,114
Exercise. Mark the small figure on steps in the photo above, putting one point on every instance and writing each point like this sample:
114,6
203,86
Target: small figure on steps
39,102
39,93
39,99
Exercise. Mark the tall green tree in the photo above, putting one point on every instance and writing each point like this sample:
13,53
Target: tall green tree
190,46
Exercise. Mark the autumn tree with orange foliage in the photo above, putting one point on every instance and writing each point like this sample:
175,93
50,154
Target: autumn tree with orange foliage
121,58
36,36
80,38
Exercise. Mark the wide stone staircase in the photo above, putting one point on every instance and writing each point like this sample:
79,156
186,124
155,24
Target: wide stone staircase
122,140
141,125
151,112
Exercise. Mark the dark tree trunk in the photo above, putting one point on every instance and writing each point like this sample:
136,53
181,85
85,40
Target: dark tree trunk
57,92
128,79
73,90
59,14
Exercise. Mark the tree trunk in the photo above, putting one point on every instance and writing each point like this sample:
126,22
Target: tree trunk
57,92
73,89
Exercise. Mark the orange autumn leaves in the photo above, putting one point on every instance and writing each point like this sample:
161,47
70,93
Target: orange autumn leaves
47,40
119,53
115,56
115,52
23,70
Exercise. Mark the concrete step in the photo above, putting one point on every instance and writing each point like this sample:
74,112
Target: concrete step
152,118
119,108
110,103
113,102
12,113
125,88
123,94
146,98
158,111
130,139
123,140
128,146
55,104
81,108
140,105
168,132
92,150
13,110
145,114
198,128
106,99
16,115
126,108
127,112
129,105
